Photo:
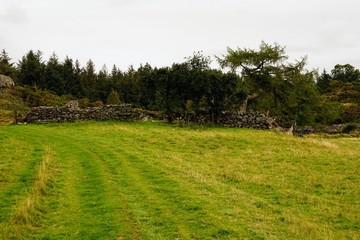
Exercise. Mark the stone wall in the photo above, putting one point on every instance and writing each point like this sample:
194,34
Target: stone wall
251,119
124,112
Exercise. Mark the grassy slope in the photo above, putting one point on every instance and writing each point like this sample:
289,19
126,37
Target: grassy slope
153,181
10,100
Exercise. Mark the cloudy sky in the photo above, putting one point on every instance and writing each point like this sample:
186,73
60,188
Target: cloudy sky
161,32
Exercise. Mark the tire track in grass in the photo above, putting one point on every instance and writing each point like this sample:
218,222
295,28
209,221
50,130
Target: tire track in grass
158,202
176,212
90,201
145,206
123,187
127,227
182,209
48,172
21,170
190,201
189,208
231,203
28,211
128,187
83,207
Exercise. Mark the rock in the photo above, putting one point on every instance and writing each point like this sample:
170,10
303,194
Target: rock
6,82
73,105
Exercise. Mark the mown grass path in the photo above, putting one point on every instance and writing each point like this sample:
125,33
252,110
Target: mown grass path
154,181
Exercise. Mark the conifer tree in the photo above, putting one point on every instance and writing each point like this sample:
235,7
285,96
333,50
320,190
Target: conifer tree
31,69
6,66
53,75
113,98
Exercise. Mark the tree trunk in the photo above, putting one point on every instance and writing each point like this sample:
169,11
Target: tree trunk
243,106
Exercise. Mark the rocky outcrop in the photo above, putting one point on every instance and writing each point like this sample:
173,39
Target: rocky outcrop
124,112
6,82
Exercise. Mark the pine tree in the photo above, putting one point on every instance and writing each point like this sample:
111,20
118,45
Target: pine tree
6,66
31,70
53,75
89,80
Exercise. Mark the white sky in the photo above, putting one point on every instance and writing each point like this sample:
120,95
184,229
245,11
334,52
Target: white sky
161,32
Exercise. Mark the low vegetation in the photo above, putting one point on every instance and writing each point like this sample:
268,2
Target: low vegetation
11,104
107,180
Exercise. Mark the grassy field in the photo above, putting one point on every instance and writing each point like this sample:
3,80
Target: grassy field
153,181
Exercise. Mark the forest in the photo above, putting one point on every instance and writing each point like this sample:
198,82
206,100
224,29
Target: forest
259,79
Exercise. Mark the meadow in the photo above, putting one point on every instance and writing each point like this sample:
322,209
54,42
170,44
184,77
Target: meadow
145,180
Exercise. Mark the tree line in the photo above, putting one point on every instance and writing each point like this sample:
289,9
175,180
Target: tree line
261,79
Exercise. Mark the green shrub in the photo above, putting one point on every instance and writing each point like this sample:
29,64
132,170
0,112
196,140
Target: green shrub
349,128
35,97
84,103
98,104
113,98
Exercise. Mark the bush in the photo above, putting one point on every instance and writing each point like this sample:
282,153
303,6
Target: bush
329,113
113,98
84,103
35,97
349,128
98,104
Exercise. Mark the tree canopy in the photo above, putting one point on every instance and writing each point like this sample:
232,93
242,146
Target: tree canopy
260,79
278,86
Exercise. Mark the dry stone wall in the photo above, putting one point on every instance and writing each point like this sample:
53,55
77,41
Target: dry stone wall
251,119
125,112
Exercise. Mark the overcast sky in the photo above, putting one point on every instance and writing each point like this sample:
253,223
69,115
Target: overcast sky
161,32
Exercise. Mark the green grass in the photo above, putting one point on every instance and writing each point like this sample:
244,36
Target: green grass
114,180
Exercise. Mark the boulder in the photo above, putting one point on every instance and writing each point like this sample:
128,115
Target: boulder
6,82
72,105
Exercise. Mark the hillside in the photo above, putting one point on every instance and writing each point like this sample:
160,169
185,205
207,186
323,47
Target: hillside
18,100
10,101
112,180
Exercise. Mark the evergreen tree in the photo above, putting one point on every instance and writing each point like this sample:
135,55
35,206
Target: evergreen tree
116,80
285,89
323,82
103,87
130,87
113,98
31,70
220,90
78,86
53,75
68,74
89,81
6,66
147,86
